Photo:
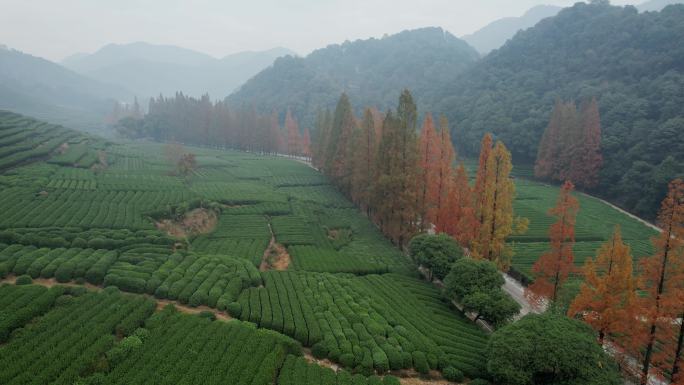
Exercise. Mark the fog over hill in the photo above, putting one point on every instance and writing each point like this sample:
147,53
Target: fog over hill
149,69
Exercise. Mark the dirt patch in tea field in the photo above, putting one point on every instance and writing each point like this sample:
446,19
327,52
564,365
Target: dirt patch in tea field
275,257
161,304
322,362
50,282
197,221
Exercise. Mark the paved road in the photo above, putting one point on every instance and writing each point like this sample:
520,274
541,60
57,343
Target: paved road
517,292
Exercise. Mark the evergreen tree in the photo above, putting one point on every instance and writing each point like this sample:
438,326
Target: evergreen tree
338,165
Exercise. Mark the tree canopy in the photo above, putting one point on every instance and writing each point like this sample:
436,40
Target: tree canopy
631,62
549,349
436,253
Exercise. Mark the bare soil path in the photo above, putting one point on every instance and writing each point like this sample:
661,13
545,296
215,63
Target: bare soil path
275,256
161,303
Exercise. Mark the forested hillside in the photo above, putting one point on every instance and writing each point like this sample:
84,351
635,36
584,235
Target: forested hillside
40,88
631,62
372,72
496,33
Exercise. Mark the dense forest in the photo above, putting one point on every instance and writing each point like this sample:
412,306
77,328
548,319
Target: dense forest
372,72
632,63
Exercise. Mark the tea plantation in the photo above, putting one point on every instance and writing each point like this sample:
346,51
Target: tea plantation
273,245
338,288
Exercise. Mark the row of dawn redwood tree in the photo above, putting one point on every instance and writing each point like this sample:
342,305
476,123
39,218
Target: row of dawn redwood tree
199,121
406,182
641,314
570,148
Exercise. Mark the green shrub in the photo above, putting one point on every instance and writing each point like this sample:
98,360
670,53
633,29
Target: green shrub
380,360
347,360
452,374
479,381
24,280
208,315
420,362
320,350
234,309
390,380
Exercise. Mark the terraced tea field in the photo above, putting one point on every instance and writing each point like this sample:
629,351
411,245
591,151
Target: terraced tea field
595,223
79,210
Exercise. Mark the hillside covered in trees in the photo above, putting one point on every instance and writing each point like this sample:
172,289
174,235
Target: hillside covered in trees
631,62
372,72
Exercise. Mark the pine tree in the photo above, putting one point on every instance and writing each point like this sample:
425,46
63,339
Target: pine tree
661,281
607,295
397,166
429,165
548,146
363,174
338,166
553,267
293,140
496,212
306,144
590,155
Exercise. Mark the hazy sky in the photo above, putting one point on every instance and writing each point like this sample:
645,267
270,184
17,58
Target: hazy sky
55,29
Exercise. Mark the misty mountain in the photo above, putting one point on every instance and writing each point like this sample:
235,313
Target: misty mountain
656,5
148,69
373,72
633,63
38,87
495,34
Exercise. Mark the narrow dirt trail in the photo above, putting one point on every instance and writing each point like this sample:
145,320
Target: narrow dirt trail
275,256
161,303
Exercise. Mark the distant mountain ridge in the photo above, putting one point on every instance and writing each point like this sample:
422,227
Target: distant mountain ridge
495,34
373,72
656,5
149,69
41,88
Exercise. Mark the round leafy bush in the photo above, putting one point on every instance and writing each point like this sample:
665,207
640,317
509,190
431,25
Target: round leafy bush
543,338
24,280
452,374
319,350
420,362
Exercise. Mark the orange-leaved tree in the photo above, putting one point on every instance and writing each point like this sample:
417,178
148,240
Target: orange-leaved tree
293,139
480,177
553,267
661,282
428,166
496,210
441,212
457,217
607,295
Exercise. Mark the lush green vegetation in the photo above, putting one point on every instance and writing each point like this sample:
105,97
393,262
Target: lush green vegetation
347,294
549,349
595,223
630,61
418,59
